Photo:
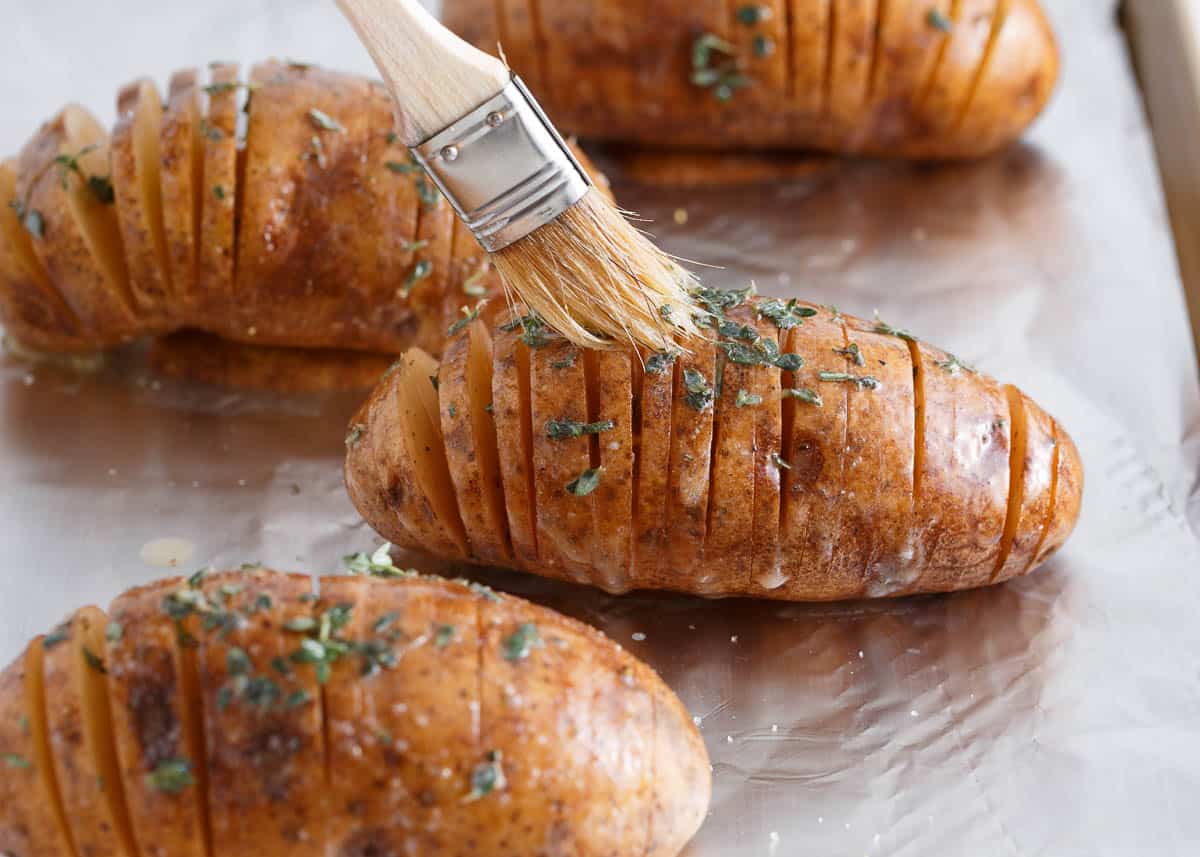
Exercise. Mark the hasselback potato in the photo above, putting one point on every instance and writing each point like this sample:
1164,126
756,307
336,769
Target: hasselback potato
804,455
912,78
238,714
312,228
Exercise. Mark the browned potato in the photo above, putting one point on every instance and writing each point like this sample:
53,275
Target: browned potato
803,455
907,78
236,713
316,230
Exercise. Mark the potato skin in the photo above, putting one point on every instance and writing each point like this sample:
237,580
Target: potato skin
310,236
458,721
899,85
819,467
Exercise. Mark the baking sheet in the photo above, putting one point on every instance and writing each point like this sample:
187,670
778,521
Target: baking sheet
1056,715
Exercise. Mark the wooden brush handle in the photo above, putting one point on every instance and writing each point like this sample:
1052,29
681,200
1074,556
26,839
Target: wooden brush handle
434,76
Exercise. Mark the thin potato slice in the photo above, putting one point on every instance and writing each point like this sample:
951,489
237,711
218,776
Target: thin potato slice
586,49
853,46
31,309
911,39
1029,510
810,60
811,527
558,394
137,185
159,738
1017,77
654,388
465,396
77,239
218,194
536,664
182,170
1068,495
33,821
877,542
765,384
262,711
949,91
610,400
691,452
961,488
512,410
415,740
728,546
79,726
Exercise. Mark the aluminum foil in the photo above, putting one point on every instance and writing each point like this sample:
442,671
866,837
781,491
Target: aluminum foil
1059,714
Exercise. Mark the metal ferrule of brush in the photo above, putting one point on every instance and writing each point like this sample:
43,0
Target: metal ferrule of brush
504,168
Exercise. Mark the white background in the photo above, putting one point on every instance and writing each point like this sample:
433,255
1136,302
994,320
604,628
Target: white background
57,51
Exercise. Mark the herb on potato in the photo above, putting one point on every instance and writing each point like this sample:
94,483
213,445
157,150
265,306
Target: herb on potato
171,776
585,483
355,435
522,642
861,381
938,20
469,315
699,394
324,122
804,394
659,362
565,429
487,777
852,353
12,760
745,398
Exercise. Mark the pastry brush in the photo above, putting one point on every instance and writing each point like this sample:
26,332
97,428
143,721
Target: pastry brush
566,252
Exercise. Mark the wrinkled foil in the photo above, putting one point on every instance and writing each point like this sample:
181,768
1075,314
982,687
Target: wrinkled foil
1058,714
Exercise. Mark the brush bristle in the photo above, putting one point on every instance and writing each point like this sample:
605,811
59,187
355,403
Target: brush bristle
598,281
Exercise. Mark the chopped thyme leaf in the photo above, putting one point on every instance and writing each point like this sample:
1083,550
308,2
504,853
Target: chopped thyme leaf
392,138
564,429
452,410
299,66
443,635
803,394
263,601
699,394
420,271
488,408
585,483
93,661
414,246
281,666
324,121
171,776
938,20
229,86
298,698
752,14
433,380
763,46
745,398
715,66
34,223
659,362
300,624
487,777
852,353
953,365
377,564
114,632
789,362
224,697
469,315
12,760
779,462
565,362
101,188
717,301
211,132
385,621
355,435
402,168
862,381
733,330
58,635
24,724
219,191
237,662
427,192
197,579
521,642
887,329
785,315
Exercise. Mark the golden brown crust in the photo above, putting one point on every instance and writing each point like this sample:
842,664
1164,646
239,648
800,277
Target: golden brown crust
883,77
181,149
219,190
889,467
405,716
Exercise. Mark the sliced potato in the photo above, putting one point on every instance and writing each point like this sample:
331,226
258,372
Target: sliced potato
954,78
182,171
31,308
654,388
1031,491
765,384
558,394
157,727
33,821
77,238
137,185
1068,495
469,429
218,193
810,60
79,727
853,51
691,452
909,45
512,409
610,400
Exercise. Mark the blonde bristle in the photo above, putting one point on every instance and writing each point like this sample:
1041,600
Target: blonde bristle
598,281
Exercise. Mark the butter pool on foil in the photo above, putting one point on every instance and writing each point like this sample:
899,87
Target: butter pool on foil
1055,715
